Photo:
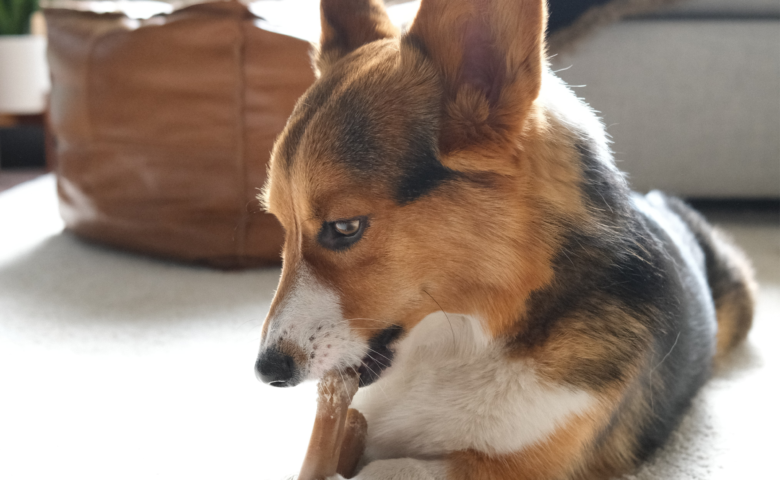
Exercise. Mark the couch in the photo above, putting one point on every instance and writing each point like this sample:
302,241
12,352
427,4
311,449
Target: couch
690,95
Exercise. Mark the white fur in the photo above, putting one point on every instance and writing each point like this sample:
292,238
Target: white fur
402,469
450,388
311,318
563,105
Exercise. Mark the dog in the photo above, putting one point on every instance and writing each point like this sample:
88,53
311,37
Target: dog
457,230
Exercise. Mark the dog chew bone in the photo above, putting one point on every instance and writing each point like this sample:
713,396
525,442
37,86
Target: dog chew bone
354,443
338,433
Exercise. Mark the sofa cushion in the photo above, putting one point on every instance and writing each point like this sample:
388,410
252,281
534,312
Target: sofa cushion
692,106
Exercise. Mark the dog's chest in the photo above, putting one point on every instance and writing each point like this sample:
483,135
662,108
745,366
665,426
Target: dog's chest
449,389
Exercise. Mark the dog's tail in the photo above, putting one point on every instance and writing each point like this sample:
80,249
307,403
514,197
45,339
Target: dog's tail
729,275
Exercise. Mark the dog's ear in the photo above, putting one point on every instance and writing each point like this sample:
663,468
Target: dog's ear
348,25
491,56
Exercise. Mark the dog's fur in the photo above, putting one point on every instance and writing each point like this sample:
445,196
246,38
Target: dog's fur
520,313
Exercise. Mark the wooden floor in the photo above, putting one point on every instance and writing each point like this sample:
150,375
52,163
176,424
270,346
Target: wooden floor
11,178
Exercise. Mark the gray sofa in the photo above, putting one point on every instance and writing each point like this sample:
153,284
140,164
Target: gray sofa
690,96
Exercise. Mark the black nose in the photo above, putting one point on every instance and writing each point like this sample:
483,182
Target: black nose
275,368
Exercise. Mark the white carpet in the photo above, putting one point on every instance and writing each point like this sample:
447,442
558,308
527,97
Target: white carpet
114,366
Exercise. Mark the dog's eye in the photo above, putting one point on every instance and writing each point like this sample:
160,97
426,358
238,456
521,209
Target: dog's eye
342,234
347,227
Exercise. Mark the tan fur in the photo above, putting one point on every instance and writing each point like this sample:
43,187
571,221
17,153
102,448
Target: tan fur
570,345
735,315
735,306
471,120
349,24
558,457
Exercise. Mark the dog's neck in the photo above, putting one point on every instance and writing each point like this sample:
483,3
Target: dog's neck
569,183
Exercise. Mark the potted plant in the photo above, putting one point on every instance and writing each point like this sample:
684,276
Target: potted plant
24,77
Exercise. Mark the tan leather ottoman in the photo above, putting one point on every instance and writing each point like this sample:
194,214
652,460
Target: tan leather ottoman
164,127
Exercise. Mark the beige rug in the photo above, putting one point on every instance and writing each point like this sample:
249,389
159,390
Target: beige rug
114,366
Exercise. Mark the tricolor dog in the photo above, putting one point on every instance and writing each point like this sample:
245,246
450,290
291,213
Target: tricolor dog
457,229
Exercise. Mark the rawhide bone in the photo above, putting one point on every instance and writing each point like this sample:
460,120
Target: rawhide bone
339,434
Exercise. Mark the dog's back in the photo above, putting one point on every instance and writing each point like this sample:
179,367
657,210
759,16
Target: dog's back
702,271
729,275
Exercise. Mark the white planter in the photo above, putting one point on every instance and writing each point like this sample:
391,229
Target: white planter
24,74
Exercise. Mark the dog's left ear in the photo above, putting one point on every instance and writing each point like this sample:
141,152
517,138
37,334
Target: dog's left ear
490,55
348,25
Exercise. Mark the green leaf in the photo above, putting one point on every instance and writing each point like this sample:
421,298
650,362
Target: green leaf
15,16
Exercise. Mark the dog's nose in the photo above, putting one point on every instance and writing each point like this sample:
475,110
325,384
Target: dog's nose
275,368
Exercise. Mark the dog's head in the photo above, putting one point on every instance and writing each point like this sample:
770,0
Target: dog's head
400,180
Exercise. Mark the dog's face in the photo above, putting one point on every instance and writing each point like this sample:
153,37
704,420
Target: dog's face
399,182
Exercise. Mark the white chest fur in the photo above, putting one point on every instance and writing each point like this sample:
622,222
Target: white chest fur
450,389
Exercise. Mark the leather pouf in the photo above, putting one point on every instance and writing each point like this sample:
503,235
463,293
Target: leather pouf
164,127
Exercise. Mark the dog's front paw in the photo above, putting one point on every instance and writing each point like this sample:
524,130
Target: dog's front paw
403,469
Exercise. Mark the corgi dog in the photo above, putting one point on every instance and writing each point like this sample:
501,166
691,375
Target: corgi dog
456,229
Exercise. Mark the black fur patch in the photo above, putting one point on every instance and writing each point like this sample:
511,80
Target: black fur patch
723,275
618,282
410,167
682,351
380,355
603,189
595,277
355,141
422,171
308,105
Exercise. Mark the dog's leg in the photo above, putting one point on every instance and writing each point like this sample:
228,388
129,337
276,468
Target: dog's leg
402,469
